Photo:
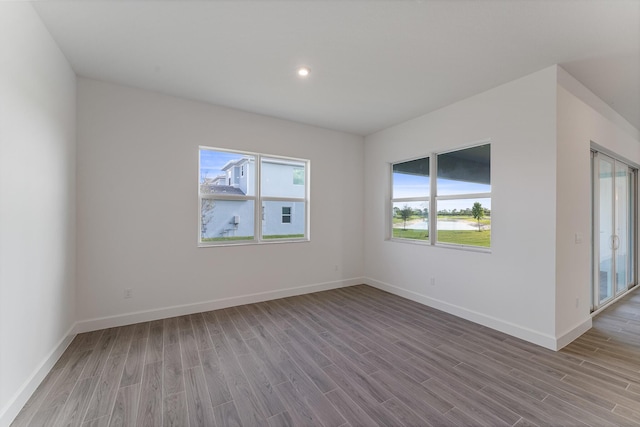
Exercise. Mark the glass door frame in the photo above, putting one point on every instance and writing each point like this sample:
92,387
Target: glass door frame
630,280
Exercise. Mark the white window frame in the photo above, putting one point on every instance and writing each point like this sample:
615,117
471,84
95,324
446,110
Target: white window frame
257,199
432,201
395,200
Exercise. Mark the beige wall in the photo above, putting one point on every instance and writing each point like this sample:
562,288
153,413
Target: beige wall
511,289
138,209
37,204
582,119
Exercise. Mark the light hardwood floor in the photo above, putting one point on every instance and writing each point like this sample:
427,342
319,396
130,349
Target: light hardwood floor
355,356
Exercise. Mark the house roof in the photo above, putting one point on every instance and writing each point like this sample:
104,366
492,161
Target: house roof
225,189
235,162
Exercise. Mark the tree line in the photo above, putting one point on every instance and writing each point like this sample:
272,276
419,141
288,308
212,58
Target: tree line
477,211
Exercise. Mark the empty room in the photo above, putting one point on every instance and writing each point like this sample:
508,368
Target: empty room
319,213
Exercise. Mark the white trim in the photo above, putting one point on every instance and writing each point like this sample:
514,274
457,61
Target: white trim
464,196
20,398
509,328
573,333
179,310
411,199
477,143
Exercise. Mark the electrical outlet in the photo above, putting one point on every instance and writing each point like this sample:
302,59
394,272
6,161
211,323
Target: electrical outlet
128,293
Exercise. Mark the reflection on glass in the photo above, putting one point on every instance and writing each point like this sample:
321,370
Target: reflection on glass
465,171
621,227
465,222
605,277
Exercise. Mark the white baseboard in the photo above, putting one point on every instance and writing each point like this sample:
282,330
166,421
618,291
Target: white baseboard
20,398
180,310
573,333
526,334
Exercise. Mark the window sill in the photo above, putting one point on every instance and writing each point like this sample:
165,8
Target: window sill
251,243
442,245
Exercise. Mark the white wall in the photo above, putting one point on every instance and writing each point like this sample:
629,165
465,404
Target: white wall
37,204
582,119
512,289
138,218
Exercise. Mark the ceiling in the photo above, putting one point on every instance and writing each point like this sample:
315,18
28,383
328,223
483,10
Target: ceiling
373,63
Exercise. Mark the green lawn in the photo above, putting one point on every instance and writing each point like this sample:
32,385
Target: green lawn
226,239
410,234
466,237
283,236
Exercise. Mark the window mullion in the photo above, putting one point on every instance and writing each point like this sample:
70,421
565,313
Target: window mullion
411,199
282,199
465,196
259,209
433,212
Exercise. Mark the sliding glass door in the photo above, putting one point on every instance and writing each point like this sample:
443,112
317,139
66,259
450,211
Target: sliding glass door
614,239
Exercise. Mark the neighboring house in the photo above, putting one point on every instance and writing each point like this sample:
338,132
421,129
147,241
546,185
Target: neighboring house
234,218
219,180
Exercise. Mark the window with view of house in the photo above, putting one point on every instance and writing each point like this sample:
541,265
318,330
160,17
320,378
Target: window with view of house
251,198
458,191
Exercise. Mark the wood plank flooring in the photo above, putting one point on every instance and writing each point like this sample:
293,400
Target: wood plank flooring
349,357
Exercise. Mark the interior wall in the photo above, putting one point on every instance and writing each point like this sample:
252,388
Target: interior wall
582,119
511,289
138,208
37,204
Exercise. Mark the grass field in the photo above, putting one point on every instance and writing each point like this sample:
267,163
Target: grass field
283,236
226,239
458,237
466,237
410,234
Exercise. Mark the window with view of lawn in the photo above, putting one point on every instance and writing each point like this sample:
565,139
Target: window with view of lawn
459,192
251,198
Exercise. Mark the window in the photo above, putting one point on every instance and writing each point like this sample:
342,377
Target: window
464,197
286,215
280,195
250,198
410,199
459,194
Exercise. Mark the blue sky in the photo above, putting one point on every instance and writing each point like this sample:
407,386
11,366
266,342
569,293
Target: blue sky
211,162
406,185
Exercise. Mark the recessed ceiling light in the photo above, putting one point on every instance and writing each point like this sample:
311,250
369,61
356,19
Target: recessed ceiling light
303,72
